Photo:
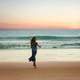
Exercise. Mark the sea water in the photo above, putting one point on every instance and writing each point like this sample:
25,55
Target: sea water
47,38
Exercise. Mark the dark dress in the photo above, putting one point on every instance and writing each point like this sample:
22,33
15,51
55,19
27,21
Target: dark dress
34,51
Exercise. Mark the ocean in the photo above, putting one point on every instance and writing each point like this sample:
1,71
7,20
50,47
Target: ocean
47,38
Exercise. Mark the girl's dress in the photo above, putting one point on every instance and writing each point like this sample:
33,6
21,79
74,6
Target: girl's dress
34,51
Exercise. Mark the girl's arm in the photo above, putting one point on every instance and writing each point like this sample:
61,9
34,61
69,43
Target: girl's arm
38,45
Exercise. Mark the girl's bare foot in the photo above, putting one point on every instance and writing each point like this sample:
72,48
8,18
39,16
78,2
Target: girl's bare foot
34,65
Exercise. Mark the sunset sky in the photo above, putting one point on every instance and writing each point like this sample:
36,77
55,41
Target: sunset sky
21,14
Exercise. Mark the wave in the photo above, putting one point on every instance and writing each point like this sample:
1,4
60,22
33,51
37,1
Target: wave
23,42
14,46
43,46
40,37
56,37
74,44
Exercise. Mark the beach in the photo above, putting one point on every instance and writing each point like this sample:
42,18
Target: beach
45,71
22,55
46,32
52,64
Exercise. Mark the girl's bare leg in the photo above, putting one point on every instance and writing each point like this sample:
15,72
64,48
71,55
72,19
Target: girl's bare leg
34,64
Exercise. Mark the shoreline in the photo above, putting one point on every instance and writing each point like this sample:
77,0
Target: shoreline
41,64
43,55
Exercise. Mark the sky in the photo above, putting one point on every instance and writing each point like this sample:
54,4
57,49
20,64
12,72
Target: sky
51,14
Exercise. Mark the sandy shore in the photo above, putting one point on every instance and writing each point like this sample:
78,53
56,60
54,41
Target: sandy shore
45,71
42,55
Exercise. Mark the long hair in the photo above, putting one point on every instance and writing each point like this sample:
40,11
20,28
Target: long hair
33,41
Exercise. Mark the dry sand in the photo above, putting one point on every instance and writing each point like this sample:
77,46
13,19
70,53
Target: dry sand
45,71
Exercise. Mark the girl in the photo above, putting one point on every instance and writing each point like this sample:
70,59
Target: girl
34,45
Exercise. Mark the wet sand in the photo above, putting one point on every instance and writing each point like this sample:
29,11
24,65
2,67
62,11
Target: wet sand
44,71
